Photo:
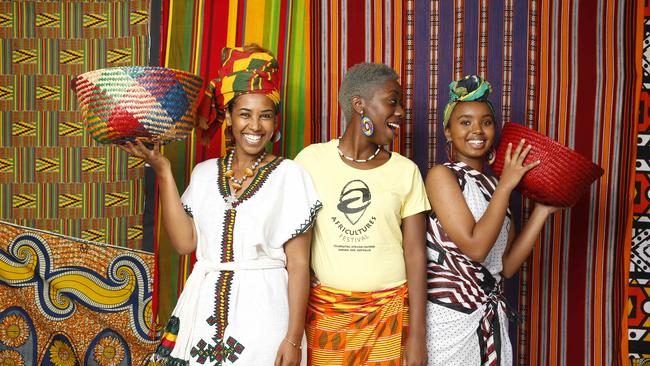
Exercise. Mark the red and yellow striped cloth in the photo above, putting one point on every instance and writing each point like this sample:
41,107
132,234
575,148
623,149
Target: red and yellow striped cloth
356,328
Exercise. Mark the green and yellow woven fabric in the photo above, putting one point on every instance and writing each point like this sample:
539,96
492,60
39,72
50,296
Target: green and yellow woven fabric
52,175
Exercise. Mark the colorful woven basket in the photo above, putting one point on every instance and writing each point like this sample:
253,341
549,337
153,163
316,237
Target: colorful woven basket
563,175
148,103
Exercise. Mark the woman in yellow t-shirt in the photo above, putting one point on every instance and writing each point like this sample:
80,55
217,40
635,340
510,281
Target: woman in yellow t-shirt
368,250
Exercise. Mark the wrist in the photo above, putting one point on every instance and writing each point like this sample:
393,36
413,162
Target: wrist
164,175
417,333
503,189
294,343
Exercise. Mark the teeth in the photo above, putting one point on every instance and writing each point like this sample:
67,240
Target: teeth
476,142
253,138
393,125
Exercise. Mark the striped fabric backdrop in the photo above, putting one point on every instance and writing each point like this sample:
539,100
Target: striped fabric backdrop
347,33
569,69
639,282
574,292
52,175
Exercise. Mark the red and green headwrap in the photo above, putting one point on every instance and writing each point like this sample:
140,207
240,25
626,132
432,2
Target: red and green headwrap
243,71
471,88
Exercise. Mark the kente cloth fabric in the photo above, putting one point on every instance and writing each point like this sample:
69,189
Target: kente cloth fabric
471,88
467,321
68,301
238,286
53,176
356,328
241,72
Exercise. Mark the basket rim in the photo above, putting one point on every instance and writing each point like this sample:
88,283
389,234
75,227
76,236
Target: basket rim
541,140
105,69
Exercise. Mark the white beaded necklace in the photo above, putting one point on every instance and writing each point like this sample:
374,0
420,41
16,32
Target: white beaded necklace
338,141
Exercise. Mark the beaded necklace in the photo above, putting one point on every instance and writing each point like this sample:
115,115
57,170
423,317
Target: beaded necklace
248,172
338,141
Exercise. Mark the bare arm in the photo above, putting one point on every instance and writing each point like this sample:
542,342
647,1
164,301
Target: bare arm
519,249
179,226
475,238
415,258
297,251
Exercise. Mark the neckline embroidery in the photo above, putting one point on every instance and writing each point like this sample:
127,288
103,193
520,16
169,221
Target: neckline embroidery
258,181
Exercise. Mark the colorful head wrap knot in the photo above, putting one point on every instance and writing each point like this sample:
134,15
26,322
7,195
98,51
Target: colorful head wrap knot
471,88
243,71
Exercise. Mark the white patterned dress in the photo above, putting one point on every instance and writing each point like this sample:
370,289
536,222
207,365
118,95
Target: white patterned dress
234,308
466,312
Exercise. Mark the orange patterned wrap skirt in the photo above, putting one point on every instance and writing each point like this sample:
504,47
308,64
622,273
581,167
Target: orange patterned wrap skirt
356,328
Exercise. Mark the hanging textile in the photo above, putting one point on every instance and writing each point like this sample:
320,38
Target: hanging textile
639,282
52,175
567,69
90,308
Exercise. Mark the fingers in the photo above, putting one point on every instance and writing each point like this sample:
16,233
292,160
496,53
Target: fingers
532,165
508,153
523,154
517,153
278,360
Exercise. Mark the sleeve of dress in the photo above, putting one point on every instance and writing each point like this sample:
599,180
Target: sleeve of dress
296,206
416,200
187,199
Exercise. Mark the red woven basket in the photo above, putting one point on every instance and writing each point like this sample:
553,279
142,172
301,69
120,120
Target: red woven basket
148,103
563,175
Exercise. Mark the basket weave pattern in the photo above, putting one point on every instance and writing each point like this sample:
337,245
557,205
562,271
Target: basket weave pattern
563,175
148,103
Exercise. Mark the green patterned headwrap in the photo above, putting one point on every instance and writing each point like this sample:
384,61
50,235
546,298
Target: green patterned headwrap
471,88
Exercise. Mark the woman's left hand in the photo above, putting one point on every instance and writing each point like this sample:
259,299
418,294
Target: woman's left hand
415,353
288,355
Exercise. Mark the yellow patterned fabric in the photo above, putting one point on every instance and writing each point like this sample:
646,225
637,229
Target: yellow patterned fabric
66,301
53,176
356,328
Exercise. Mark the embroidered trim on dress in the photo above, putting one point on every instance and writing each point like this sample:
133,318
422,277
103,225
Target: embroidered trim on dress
188,210
166,345
255,185
309,222
217,350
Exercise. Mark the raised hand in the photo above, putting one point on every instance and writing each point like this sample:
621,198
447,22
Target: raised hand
153,157
513,165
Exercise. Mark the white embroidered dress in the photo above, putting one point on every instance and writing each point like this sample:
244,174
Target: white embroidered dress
234,308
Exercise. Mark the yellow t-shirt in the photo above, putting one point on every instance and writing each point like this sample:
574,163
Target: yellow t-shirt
357,243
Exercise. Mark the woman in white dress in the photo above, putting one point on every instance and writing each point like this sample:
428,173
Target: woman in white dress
471,244
248,215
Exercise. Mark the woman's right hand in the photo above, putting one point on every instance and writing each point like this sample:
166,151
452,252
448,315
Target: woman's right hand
153,157
513,165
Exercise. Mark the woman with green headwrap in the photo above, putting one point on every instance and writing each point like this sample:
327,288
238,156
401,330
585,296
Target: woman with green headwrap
471,244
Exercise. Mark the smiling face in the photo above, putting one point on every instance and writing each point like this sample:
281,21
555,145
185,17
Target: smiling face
385,110
471,131
252,118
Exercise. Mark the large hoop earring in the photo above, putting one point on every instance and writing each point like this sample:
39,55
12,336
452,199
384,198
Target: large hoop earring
367,127
491,156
